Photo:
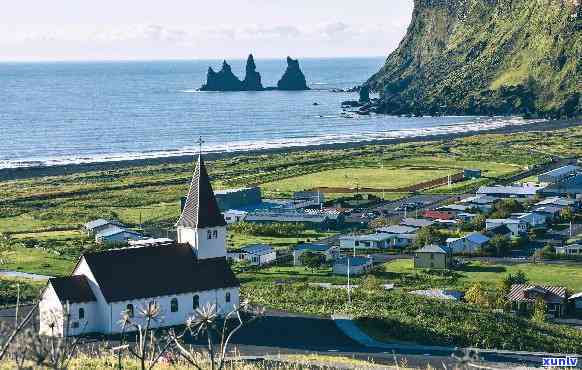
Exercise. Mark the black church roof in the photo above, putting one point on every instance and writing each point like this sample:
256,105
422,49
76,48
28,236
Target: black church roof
154,271
201,209
73,289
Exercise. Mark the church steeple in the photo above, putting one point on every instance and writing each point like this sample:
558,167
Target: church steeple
201,225
201,209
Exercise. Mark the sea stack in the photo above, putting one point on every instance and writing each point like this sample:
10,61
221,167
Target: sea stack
293,78
223,80
364,94
252,81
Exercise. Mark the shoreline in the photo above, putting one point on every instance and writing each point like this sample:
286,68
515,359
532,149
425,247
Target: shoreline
7,174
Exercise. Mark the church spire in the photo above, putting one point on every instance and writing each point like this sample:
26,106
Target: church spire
201,209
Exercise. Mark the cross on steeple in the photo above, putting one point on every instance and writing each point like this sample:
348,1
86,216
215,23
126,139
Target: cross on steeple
200,142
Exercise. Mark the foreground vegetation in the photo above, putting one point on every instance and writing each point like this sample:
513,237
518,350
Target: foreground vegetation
404,317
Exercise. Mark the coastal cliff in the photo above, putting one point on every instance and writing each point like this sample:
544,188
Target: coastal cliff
486,57
223,80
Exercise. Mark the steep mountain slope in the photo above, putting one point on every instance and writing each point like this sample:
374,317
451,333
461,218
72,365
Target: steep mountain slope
486,57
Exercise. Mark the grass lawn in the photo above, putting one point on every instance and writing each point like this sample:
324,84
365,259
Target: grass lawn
295,273
236,240
388,178
568,275
36,260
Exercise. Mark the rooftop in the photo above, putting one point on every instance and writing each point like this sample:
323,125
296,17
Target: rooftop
526,190
201,209
354,261
397,229
72,289
416,222
155,271
431,248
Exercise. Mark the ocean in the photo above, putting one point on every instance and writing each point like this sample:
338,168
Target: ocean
61,113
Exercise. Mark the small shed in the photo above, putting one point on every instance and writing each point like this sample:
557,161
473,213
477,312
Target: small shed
471,173
431,257
356,265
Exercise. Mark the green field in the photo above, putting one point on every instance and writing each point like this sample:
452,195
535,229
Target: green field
236,240
568,274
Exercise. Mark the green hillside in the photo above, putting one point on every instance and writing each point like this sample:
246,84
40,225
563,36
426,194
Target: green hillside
486,57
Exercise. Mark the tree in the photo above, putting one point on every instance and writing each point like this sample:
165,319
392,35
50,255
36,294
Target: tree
371,284
478,222
499,245
426,235
505,207
502,291
567,214
539,312
519,278
476,294
311,260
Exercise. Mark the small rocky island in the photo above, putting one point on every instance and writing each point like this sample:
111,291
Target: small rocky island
224,80
293,78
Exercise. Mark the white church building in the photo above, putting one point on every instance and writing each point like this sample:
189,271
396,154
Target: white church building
179,276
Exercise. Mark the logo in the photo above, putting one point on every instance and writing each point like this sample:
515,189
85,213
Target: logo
560,361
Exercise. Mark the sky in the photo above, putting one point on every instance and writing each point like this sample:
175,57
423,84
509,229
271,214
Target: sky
35,30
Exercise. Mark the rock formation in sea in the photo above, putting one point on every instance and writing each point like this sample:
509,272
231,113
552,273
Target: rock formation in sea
223,80
483,57
293,78
364,94
252,81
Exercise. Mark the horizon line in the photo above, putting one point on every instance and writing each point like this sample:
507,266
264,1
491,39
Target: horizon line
31,61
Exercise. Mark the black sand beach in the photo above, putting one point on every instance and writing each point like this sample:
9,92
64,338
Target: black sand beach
58,170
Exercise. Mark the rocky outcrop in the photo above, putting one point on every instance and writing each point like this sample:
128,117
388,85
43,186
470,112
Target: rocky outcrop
293,78
486,57
252,81
223,80
364,94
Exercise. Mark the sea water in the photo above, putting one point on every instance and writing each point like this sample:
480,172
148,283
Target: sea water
59,113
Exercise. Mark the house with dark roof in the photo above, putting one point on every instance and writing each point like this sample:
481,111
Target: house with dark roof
432,257
524,296
180,276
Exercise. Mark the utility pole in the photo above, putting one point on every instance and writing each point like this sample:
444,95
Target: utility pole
349,291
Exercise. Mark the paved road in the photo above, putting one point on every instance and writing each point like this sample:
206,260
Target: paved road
284,333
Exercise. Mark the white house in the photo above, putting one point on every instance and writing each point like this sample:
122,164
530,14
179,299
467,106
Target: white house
511,191
257,254
516,227
117,235
533,219
469,243
233,216
558,175
100,225
179,277
570,250
355,265
370,241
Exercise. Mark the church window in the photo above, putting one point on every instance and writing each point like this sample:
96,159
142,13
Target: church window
129,310
227,297
209,234
81,313
215,234
174,305
195,302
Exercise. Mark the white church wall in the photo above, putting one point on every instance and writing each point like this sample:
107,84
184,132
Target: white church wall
50,313
208,242
185,307
101,321
212,242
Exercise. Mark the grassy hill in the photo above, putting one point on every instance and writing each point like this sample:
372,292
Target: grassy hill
486,57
